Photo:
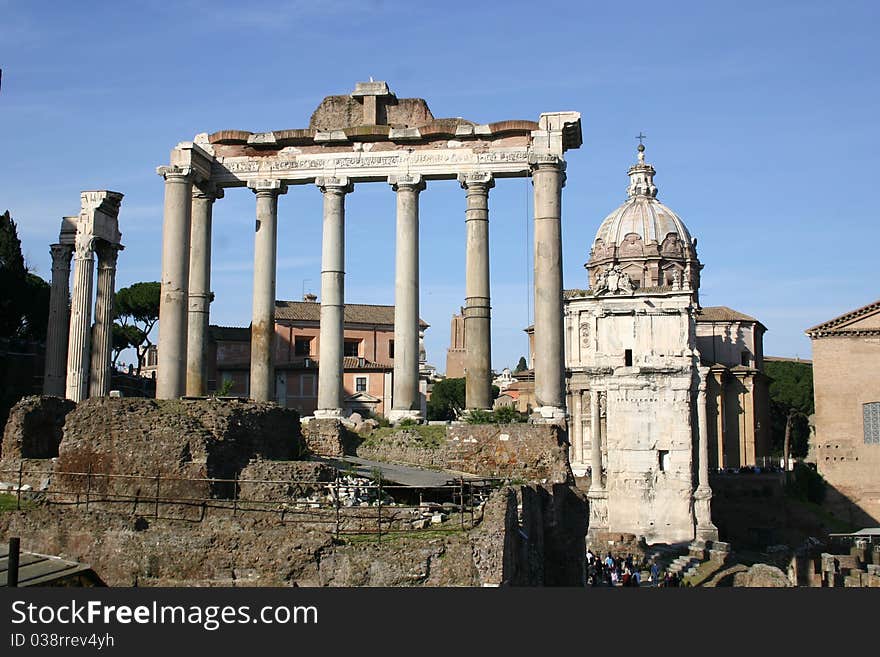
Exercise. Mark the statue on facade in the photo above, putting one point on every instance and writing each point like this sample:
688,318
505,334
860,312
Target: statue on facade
614,281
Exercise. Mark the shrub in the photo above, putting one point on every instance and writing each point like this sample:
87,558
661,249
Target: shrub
477,416
507,415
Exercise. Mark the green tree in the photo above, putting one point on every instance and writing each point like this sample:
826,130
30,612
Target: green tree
447,398
137,307
521,366
24,296
125,337
791,403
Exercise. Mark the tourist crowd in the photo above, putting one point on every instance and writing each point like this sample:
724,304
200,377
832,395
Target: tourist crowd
621,571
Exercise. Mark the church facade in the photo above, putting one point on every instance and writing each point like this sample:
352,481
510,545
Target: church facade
660,391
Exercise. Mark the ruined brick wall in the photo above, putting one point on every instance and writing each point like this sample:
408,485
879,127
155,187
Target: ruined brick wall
325,437
34,428
532,452
252,549
172,439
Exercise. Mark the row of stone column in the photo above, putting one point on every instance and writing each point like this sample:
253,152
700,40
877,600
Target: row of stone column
78,354
186,289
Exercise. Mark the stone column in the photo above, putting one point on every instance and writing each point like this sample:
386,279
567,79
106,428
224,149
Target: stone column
706,530
597,494
263,321
79,338
578,429
330,368
58,329
477,310
102,338
203,197
405,401
595,442
548,179
171,377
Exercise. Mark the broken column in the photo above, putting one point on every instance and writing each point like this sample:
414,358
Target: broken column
97,227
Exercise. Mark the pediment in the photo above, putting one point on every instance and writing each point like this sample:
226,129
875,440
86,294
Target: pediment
363,398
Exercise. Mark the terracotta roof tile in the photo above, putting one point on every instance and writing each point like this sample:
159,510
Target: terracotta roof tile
830,327
723,314
355,313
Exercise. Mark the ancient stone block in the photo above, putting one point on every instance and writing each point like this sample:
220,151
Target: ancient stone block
34,428
762,575
176,441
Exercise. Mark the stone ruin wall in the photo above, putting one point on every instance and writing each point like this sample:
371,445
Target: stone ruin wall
544,549
529,452
528,535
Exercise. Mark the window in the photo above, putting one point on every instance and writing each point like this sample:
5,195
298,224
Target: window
391,349
871,414
663,459
360,384
351,348
302,346
628,357
745,359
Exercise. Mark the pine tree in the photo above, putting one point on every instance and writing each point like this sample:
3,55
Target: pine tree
13,275
24,297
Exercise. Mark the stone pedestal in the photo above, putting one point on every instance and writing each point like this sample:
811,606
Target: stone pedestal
263,322
330,358
405,398
477,309
598,514
58,328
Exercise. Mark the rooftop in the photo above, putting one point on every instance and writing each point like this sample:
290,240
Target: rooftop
355,313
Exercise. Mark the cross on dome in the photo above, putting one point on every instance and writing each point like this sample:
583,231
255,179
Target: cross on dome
641,175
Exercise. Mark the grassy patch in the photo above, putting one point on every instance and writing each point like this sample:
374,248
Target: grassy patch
9,502
422,435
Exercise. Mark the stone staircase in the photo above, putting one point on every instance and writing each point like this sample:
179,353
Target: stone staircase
690,566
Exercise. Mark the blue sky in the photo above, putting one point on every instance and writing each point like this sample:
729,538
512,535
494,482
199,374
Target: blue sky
761,120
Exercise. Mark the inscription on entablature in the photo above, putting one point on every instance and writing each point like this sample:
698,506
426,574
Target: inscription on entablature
391,160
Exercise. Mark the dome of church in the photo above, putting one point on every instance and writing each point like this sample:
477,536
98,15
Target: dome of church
644,238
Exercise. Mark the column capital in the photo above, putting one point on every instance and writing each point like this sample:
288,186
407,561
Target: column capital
408,181
207,191
538,163
477,180
267,187
84,246
175,173
334,184
61,254
107,254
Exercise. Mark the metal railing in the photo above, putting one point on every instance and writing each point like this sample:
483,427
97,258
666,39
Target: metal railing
344,505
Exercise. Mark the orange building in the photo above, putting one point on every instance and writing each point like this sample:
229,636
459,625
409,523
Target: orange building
368,366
